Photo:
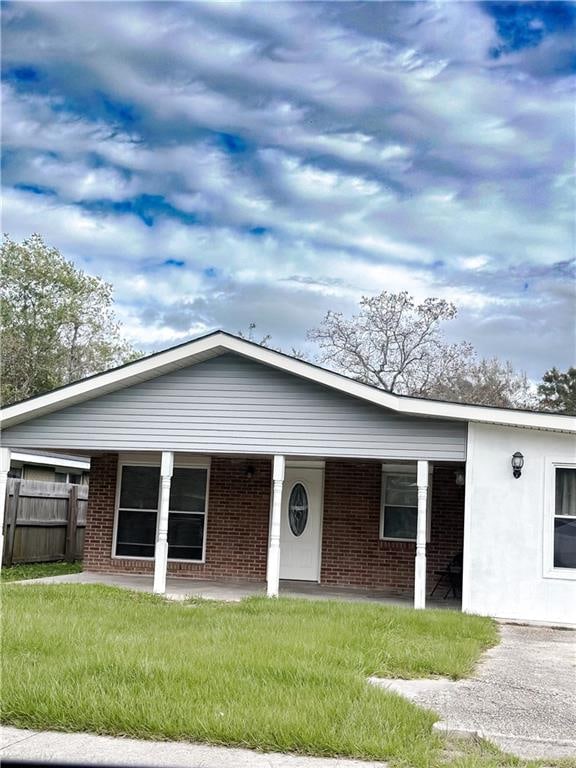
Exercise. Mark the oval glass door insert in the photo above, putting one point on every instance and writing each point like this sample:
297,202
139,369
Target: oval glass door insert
298,509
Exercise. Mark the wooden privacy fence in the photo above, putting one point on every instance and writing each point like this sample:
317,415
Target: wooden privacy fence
44,521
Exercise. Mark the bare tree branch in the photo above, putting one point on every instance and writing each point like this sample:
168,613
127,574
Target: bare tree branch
391,343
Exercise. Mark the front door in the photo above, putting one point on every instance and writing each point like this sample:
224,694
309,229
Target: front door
301,524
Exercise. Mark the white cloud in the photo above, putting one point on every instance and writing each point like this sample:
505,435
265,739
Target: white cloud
379,147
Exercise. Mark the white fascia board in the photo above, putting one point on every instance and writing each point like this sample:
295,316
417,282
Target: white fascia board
219,343
50,461
486,415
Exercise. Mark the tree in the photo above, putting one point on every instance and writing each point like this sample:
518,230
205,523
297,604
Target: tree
249,336
487,381
557,391
393,343
57,321
265,342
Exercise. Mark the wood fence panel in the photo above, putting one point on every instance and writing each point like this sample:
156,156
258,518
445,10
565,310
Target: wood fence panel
79,542
11,518
47,525
72,523
39,544
82,504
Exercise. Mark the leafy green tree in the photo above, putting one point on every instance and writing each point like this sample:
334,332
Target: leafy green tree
558,391
57,322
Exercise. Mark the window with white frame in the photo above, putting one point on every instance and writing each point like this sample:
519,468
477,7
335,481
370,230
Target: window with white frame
138,502
565,517
399,503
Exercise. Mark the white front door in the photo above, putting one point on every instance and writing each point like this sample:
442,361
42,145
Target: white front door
301,524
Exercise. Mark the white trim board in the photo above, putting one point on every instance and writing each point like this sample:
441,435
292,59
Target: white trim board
218,343
49,461
549,570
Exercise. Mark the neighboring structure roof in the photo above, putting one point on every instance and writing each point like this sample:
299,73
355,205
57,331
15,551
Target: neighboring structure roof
219,342
51,459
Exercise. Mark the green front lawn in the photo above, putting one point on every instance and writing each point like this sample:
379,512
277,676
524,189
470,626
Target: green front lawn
38,570
282,675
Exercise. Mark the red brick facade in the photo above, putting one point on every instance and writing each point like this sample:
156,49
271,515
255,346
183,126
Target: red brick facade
236,528
100,515
238,518
352,551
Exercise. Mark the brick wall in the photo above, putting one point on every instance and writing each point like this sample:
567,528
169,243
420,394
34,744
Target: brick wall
100,514
352,552
238,518
236,530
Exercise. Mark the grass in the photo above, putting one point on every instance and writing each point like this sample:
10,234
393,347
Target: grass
38,570
276,675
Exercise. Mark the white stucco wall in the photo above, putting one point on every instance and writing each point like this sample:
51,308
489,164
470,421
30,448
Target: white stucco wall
508,526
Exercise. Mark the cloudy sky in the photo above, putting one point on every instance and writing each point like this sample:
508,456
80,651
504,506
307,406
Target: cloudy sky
223,164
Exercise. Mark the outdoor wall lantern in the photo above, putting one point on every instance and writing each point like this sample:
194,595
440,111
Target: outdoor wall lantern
517,464
459,477
249,472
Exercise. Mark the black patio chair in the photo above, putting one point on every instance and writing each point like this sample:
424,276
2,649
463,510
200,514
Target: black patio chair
452,576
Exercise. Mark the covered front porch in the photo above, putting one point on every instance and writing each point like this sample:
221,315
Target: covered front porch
283,525
228,526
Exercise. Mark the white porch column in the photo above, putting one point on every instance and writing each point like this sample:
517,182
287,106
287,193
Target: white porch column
4,469
161,550
420,569
273,570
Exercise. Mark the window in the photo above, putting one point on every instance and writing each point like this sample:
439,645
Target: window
298,509
139,498
187,514
399,511
565,518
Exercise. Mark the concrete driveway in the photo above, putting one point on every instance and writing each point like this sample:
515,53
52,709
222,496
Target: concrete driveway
522,696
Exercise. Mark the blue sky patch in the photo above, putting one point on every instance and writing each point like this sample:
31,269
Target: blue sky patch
35,189
148,208
233,144
119,111
21,75
526,24
174,263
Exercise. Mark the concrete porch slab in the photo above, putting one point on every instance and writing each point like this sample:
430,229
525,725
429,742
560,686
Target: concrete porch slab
230,590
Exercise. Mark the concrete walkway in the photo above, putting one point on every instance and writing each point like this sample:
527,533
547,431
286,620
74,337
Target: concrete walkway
87,749
522,697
